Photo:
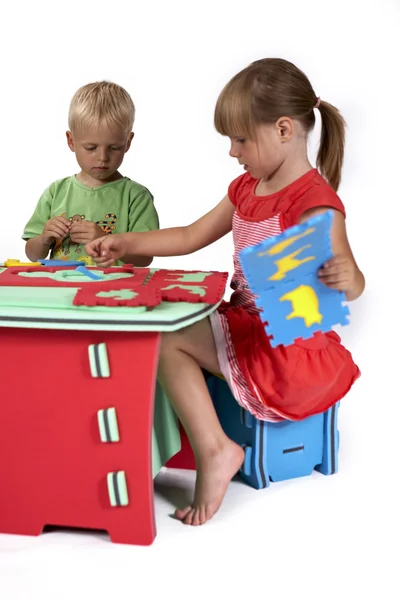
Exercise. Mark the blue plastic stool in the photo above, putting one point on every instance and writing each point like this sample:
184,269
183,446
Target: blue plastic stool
277,451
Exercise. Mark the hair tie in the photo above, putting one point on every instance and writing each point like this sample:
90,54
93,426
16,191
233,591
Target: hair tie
318,102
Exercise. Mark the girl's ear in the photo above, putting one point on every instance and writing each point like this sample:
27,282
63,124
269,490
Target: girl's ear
284,127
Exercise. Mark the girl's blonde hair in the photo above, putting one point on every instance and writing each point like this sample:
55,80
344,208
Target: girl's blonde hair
272,88
101,102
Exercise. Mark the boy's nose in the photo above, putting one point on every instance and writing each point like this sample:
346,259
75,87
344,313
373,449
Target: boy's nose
104,157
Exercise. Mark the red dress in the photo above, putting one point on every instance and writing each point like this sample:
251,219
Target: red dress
287,382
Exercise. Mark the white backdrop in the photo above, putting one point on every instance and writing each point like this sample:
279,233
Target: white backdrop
174,58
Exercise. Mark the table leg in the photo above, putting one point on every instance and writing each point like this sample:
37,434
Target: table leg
54,467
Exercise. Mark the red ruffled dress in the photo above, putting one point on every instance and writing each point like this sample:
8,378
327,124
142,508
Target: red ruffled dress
287,382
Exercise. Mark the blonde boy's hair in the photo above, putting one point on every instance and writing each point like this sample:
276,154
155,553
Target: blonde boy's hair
101,103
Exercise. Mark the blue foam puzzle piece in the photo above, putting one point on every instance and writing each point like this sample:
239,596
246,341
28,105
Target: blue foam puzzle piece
282,273
60,263
89,273
298,310
308,244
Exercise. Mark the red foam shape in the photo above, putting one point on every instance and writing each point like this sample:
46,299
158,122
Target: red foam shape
149,296
9,277
184,459
54,466
213,285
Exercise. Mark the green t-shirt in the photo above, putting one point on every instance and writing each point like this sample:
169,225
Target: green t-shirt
116,207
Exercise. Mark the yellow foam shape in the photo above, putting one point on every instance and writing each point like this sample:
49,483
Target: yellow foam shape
305,305
289,263
281,246
14,262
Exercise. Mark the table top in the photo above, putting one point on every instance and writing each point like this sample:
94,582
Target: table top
53,308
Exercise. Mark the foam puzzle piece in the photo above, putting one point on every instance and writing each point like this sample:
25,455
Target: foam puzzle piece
98,360
117,488
169,286
298,251
43,276
123,286
282,273
190,286
119,294
91,274
60,263
14,262
108,425
298,310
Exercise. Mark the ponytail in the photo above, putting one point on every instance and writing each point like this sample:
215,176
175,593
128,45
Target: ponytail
331,148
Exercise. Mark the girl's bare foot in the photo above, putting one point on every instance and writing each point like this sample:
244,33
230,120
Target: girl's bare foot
213,476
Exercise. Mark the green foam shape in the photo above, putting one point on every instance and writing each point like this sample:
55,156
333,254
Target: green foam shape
200,290
118,294
72,275
117,489
108,425
198,277
98,360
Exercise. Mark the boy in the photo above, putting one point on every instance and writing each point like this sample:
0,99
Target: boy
76,210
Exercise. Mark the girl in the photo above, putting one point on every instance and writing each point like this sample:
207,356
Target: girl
267,111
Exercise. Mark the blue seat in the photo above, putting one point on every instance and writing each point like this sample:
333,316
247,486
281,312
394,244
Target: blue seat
277,451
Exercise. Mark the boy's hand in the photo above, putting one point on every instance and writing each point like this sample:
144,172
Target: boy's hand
55,229
83,232
339,273
107,249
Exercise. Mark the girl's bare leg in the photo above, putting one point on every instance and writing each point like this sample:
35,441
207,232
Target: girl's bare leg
183,354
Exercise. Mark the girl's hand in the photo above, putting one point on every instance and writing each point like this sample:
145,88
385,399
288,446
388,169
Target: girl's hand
339,273
107,249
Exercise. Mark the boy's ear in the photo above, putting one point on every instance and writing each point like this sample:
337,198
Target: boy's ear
129,141
70,141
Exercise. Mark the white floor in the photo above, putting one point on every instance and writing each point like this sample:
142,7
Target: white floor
317,537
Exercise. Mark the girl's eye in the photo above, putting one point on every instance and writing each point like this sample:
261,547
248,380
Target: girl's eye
240,140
